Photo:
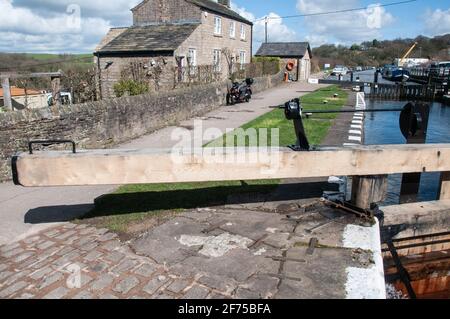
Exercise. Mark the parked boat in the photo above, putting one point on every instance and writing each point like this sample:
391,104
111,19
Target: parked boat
395,74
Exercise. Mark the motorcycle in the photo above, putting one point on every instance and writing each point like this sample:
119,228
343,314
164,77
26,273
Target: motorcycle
240,92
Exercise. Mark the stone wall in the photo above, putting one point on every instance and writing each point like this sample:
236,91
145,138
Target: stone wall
107,123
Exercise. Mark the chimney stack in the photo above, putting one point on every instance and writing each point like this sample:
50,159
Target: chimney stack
226,3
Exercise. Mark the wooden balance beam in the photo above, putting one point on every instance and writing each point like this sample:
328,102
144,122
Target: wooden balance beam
117,167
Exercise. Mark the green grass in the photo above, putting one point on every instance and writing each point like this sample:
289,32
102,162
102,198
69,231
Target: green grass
316,127
136,204
49,56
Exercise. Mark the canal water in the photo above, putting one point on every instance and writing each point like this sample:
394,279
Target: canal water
383,128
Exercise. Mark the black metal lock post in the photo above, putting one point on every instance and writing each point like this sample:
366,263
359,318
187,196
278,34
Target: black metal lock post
293,111
414,126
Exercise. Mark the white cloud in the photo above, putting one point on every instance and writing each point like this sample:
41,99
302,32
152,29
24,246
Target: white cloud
343,28
316,40
116,11
277,30
437,22
58,25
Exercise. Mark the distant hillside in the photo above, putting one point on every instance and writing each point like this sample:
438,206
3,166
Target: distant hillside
79,70
377,53
30,62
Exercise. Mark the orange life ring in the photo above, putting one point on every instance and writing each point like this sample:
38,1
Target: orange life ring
290,66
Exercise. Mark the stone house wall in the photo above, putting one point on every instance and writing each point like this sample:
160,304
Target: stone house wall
302,67
166,11
110,75
204,41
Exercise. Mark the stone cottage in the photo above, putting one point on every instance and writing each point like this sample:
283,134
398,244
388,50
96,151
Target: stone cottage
172,39
298,54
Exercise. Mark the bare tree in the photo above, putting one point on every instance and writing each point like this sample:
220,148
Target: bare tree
228,54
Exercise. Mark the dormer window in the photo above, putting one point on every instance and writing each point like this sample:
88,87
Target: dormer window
217,25
242,32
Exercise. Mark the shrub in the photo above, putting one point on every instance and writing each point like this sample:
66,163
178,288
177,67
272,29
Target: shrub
130,88
265,59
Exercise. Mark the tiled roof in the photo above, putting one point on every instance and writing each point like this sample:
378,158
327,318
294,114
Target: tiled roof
111,35
150,38
284,49
15,91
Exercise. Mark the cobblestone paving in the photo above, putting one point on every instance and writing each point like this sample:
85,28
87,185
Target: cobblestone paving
227,253
51,264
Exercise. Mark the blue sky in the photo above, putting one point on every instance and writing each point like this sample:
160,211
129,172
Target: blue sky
75,26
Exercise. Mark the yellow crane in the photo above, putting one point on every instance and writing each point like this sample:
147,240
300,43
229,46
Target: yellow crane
407,54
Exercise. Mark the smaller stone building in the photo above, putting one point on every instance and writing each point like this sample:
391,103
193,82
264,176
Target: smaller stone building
297,53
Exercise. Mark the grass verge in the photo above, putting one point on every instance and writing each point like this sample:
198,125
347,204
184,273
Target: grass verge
133,208
316,127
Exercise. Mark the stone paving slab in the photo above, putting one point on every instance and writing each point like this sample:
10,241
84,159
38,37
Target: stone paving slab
222,252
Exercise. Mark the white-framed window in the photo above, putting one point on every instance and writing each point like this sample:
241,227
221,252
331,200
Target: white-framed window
192,57
242,58
232,29
217,25
216,60
192,61
243,32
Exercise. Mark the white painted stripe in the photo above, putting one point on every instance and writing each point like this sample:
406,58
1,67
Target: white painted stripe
355,132
360,118
350,144
359,114
358,127
357,122
355,138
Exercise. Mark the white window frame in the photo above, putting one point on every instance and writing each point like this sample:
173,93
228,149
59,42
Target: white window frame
217,25
192,66
243,35
217,63
192,53
242,58
233,29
